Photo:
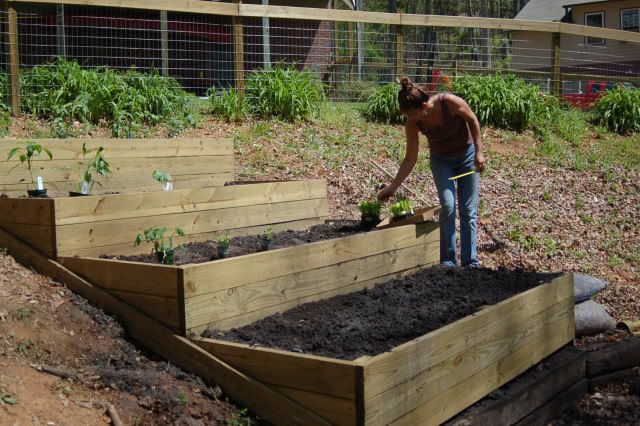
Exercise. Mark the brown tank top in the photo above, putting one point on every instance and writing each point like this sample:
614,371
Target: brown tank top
452,138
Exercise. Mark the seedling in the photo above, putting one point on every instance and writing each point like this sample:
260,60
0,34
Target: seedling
223,246
267,238
96,165
164,178
27,154
370,211
402,209
162,246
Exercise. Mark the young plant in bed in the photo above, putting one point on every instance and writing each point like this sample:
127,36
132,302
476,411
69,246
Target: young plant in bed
401,209
27,152
266,239
370,212
96,165
162,246
164,178
223,246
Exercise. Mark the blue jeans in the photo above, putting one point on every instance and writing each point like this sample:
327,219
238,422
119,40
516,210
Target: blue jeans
467,189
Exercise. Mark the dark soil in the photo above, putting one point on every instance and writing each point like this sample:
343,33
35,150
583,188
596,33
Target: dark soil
206,251
376,320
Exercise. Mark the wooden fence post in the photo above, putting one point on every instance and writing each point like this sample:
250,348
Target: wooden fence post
14,59
556,87
238,44
164,41
399,50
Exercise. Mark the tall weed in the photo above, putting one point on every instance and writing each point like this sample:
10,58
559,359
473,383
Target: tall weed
382,105
504,100
619,110
63,92
226,104
283,92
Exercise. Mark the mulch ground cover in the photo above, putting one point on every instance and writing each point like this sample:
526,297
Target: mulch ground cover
373,321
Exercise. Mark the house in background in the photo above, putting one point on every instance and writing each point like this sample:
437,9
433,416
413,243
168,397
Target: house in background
586,56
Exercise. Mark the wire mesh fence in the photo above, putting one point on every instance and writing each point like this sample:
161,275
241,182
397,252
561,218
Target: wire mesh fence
199,50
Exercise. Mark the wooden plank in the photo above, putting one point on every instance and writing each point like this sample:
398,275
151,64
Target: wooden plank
316,14
71,149
402,363
207,278
554,407
531,392
268,403
625,354
127,248
297,371
456,398
104,233
620,376
39,237
555,65
143,278
250,317
165,310
14,59
264,298
189,6
34,211
108,207
429,383
338,411
128,184
421,215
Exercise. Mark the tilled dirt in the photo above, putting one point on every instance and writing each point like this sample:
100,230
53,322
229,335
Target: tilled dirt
207,251
375,320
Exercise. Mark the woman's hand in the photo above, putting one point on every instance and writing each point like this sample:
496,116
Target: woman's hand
386,193
480,161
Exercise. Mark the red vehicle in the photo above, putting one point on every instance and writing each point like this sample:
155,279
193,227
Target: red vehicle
587,94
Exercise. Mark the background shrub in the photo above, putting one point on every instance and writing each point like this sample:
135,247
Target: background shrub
283,92
226,104
63,92
382,105
619,110
505,101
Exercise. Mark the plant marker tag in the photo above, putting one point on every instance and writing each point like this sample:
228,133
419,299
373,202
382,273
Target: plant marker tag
168,186
85,187
39,183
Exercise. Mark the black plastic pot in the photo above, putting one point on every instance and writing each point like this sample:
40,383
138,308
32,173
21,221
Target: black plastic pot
403,216
77,194
37,193
223,251
168,257
265,244
370,220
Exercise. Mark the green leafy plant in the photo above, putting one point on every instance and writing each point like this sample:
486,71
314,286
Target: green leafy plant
505,101
97,164
370,210
268,234
283,92
27,154
181,398
223,246
227,104
63,92
164,178
382,105
401,207
162,246
619,110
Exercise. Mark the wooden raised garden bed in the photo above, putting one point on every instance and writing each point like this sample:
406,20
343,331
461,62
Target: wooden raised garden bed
108,224
239,290
193,163
422,382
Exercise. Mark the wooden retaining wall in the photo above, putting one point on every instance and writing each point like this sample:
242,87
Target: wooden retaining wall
108,224
427,380
231,292
193,163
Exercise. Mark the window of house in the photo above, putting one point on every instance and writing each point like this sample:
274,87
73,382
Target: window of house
630,20
595,19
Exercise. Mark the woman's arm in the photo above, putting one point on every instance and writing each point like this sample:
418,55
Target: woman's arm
458,106
407,165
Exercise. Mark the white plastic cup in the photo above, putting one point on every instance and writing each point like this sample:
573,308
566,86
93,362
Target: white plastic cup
39,184
168,186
